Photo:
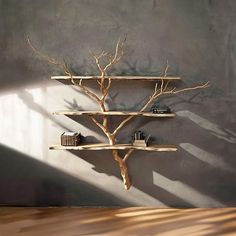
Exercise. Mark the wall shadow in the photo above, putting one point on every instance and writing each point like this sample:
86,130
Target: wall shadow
37,184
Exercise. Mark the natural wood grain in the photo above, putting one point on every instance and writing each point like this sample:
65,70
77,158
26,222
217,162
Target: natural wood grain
128,77
103,146
113,113
117,221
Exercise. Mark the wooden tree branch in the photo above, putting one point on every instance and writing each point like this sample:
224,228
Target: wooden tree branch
106,90
97,60
101,101
127,155
122,124
119,52
88,92
103,70
104,129
115,154
158,93
173,91
123,169
51,60
163,90
67,71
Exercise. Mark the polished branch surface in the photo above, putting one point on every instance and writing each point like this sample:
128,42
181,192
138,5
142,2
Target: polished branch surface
116,221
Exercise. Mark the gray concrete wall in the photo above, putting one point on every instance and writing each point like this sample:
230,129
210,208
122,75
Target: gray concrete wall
196,37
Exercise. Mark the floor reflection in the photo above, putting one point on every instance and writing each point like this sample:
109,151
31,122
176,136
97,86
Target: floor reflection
117,221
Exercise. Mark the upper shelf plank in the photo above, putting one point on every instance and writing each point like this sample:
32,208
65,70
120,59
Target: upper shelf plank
103,146
113,113
94,77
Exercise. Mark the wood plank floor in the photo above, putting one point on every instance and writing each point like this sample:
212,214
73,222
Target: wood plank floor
116,221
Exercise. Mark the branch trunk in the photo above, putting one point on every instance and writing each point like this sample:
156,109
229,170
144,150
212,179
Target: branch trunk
122,164
123,169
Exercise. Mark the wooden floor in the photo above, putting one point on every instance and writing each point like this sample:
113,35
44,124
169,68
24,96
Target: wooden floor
116,221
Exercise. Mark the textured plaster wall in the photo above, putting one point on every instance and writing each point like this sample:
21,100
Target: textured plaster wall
196,37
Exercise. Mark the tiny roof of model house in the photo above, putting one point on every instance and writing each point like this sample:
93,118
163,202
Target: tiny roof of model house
71,133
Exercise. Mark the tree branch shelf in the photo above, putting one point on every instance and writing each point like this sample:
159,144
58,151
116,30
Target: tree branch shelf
95,77
104,146
113,113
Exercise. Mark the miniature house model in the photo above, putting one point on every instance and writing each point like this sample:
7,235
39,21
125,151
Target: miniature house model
140,140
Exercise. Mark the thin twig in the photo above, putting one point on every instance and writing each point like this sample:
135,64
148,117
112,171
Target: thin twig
105,131
86,90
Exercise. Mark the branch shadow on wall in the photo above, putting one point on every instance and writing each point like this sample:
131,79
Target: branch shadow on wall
28,99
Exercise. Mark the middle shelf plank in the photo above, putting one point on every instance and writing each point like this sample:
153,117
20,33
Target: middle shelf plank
113,113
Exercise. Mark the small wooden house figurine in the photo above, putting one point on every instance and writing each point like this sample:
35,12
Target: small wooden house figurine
160,109
140,139
70,139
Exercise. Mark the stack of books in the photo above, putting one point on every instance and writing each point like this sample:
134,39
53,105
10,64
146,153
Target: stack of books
70,139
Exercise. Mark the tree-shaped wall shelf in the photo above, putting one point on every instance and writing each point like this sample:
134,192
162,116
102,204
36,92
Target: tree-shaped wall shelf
104,62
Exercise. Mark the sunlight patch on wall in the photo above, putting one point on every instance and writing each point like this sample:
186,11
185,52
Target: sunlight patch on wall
216,130
207,157
21,127
185,192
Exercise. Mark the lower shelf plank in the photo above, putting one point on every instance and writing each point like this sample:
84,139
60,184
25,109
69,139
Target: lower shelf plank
103,146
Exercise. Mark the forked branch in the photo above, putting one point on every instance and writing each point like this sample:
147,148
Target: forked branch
51,60
123,169
127,155
160,89
103,69
87,91
67,72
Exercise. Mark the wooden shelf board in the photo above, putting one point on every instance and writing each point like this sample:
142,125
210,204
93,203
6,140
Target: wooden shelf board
103,146
128,77
113,113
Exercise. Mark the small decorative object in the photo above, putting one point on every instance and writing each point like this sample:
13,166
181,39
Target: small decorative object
140,139
70,139
160,109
